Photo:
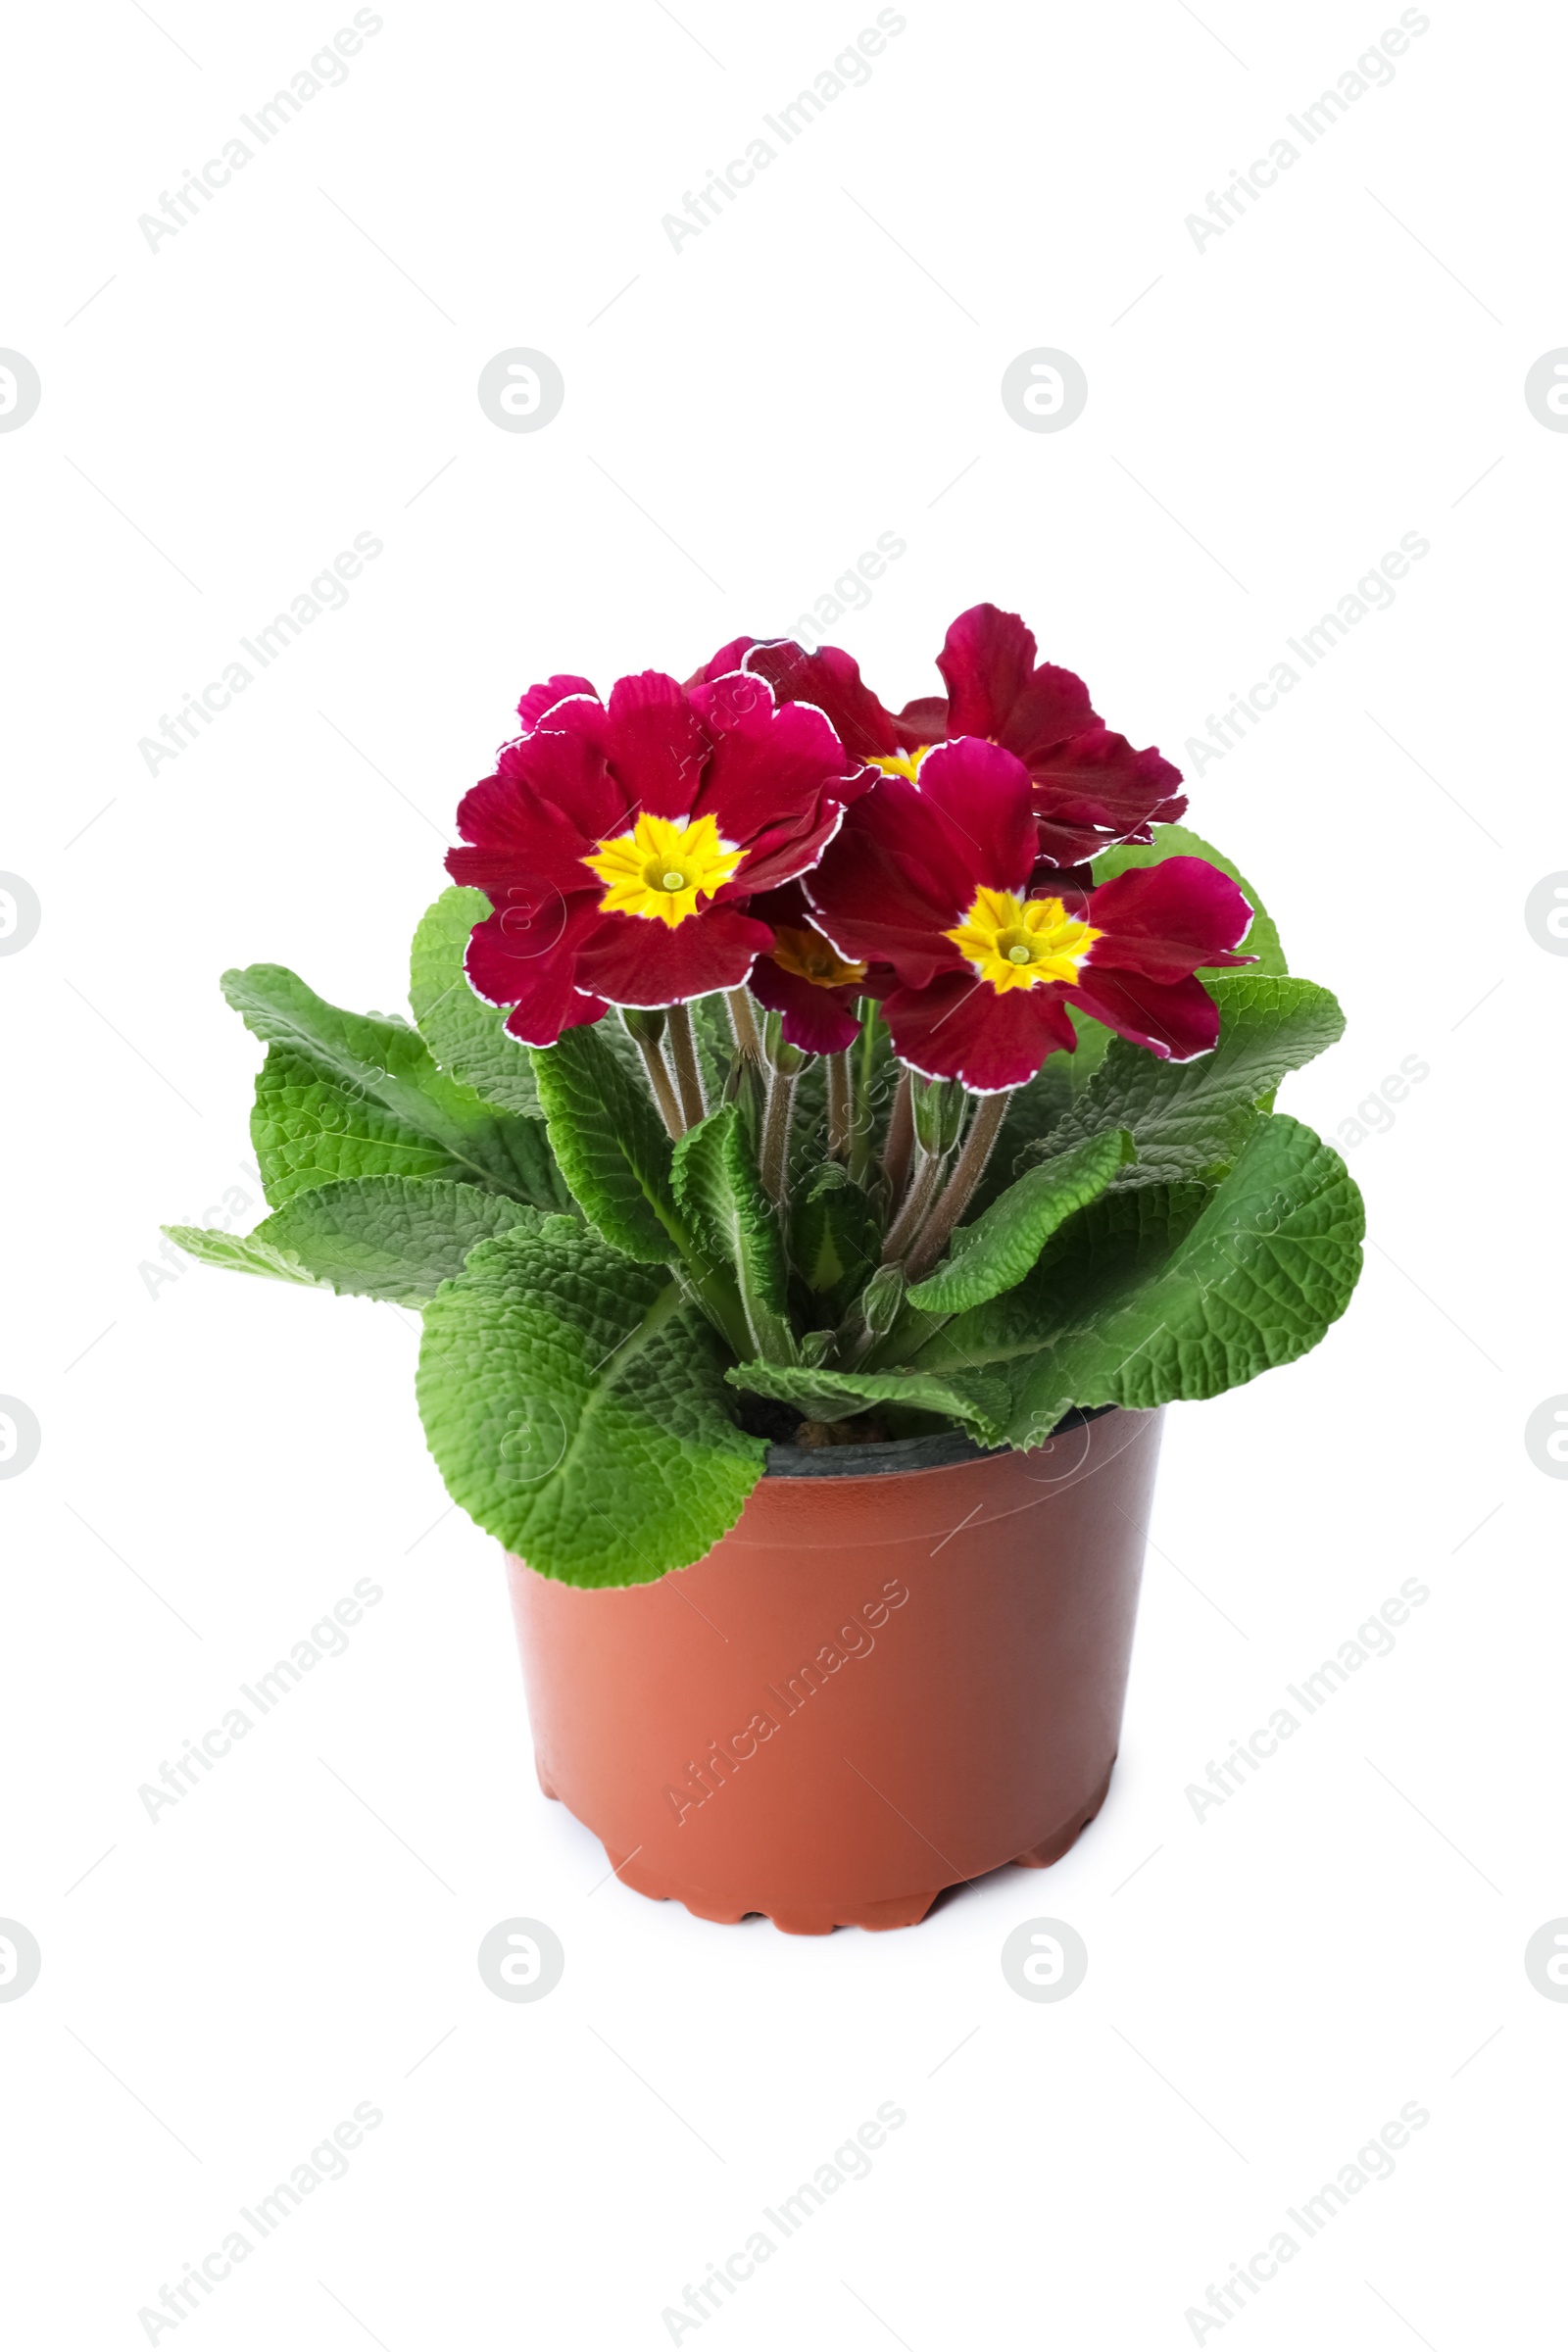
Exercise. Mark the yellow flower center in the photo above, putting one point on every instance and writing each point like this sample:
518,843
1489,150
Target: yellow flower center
810,957
660,869
1018,942
902,763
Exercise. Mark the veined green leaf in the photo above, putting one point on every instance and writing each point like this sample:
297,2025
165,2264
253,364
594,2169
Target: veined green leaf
835,1237
1161,1296
735,1226
1088,1265
1033,1112
468,1036
611,1147
998,1250
355,1093
379,1236
307,1130
1190,1118
981,1402
576,1410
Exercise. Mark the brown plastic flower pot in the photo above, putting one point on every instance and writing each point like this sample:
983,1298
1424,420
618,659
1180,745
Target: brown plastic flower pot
904,1667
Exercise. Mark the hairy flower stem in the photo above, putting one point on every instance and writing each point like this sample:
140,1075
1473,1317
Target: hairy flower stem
921,1192
984,1130
683,1053
860,1127
773,1160
838,1105
664,1092
900,1144
743,1020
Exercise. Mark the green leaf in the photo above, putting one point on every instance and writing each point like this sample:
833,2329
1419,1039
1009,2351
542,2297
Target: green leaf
1190,1118
576,1410
381,1237
1089,1263
466,1036
1251,1281
981,1402
355,1094
997,1252
1033,1111
735,1226
1175,841
246,1252
307,1130
835,1237
610,1146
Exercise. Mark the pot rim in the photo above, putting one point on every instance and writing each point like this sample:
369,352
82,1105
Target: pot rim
898,1456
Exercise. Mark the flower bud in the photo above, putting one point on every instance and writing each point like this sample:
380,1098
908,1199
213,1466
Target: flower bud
939,1105
880,1300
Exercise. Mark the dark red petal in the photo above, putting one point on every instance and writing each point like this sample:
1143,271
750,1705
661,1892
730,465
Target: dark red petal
1069,845
982,795
1095,790
535,977
785,904
771,766
636,959
655,744
987,660
820,1021
1054,705
515,845
961,1027
781,853
559,770
1174,1019
510,951
922,722
1069,883
1097,778
1165,920
890,884
540,699
579,1011
831,680
728,657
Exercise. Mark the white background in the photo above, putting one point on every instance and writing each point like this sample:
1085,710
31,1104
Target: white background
221,1460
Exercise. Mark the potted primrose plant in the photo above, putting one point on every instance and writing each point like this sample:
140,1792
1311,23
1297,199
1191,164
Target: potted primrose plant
817,1162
